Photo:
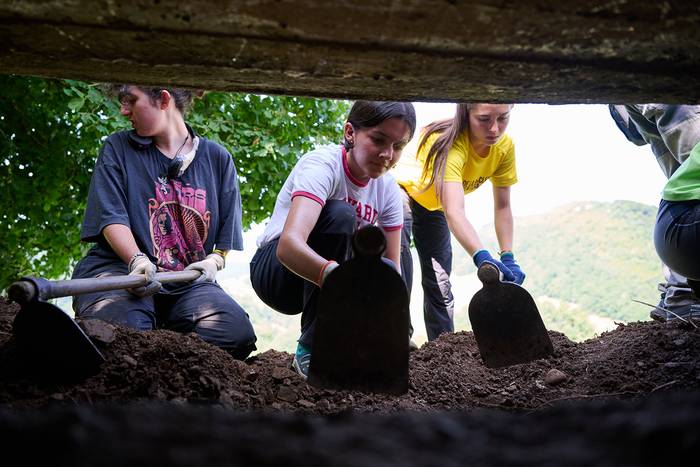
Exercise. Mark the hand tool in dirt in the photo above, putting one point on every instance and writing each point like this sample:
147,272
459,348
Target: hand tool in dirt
52,341
361,335
507,326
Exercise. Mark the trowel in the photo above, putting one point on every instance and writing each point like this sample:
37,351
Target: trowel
361,335
507,325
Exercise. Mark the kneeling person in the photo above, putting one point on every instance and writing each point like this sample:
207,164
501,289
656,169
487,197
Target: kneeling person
330,193
677,229
164,198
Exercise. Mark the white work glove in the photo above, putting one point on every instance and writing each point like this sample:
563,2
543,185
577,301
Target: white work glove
208,267
327,269
141,265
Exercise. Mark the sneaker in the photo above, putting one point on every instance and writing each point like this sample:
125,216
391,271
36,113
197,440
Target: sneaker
664,314
659,312
302,359
683,312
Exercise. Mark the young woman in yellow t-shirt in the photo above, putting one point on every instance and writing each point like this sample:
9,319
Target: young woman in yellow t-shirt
454,158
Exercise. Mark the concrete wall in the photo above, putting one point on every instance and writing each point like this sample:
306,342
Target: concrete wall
562,51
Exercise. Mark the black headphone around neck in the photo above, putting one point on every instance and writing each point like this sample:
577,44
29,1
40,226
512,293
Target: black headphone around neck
144,142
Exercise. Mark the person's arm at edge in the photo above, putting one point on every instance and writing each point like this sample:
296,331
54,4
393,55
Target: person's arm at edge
393,247
459,225
292,250
503,217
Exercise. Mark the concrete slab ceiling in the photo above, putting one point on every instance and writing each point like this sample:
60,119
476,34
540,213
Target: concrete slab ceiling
566,51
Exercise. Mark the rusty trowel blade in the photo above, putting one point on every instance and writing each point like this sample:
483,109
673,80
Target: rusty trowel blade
361,335
507,326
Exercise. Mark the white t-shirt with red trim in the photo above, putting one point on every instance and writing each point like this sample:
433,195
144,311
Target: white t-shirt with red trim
323,175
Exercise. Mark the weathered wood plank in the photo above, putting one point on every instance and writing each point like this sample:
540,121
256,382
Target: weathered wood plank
516,51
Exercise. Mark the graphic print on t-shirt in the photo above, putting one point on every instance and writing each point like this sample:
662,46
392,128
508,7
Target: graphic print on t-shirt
179,224
471,185
365,213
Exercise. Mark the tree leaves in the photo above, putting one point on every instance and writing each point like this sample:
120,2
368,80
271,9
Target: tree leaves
51,132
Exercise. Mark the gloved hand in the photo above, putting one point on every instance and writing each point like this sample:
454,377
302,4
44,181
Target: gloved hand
141,265
325,271
508,259
208,267
482,256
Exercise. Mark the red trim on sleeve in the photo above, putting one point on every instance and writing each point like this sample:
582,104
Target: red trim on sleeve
306,194
348,174
392,228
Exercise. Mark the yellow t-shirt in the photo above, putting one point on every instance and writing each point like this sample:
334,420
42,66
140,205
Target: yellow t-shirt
463,165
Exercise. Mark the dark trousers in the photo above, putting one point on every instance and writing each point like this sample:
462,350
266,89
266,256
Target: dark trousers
432,240
284,291
203,308
677,239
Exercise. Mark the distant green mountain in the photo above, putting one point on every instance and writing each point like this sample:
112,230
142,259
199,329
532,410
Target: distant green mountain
596,255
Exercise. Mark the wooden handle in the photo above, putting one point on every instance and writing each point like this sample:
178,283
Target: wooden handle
33,288
369,241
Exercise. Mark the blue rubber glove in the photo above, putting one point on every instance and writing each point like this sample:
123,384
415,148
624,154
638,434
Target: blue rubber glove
483,255
508,259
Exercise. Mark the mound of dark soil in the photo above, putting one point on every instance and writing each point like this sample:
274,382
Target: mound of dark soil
628,397
632,361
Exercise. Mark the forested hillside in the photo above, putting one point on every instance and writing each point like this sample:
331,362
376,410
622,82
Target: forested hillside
597,255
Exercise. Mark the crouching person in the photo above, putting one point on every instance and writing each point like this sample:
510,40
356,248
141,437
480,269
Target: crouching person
677,229
163,198
330,193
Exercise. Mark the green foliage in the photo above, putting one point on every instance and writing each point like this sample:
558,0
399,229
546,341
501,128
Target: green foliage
597,255
266,135
51,132
570,319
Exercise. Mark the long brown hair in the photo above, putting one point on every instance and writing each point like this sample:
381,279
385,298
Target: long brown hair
449,130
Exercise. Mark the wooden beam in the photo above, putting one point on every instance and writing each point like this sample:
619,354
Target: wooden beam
509,51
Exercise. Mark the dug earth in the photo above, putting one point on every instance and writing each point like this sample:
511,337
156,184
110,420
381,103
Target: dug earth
627,397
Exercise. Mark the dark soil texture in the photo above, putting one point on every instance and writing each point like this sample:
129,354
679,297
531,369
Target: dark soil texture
633,369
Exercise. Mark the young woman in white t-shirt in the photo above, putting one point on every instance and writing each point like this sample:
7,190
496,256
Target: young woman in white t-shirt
330,193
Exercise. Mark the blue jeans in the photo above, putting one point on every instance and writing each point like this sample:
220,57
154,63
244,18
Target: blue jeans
284,291
432,240
677,239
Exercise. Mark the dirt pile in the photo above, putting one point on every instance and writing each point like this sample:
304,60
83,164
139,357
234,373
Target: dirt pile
628,397
631,362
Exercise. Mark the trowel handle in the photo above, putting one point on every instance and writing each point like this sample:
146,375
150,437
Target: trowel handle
35,288
369,241
488,273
